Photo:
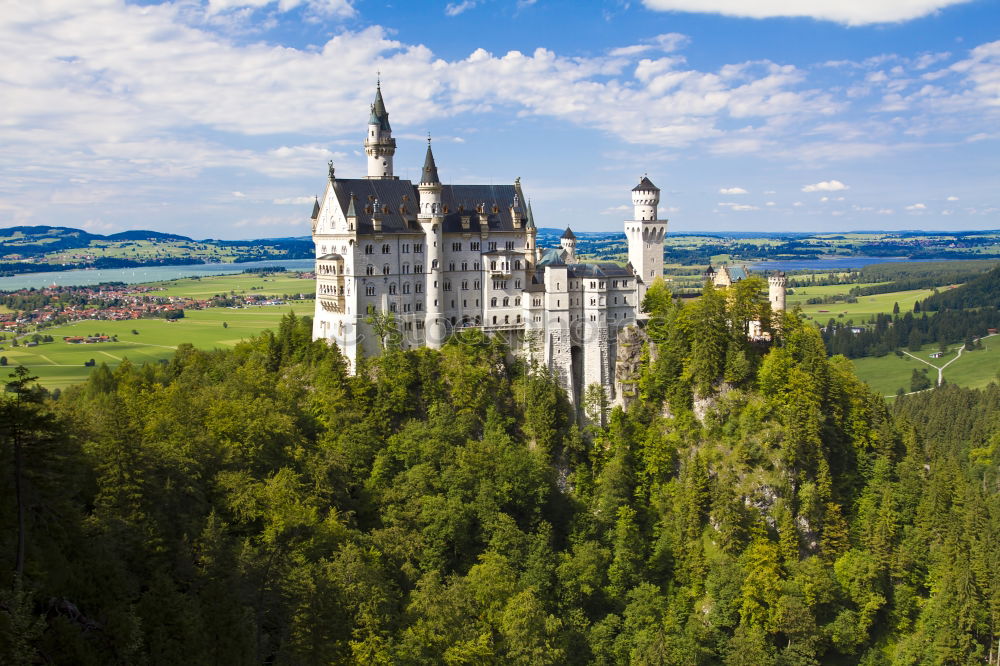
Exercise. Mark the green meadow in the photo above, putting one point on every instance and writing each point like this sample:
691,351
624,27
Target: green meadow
860,312
59,364
975,369
275,284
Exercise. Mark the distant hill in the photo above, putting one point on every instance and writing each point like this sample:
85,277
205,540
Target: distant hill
146,235
982,291
29,249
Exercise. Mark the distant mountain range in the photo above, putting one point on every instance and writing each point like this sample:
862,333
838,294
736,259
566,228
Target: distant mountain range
27,249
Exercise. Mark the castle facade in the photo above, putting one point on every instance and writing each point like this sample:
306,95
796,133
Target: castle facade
441,258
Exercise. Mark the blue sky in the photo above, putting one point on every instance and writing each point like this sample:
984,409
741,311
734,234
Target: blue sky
216,118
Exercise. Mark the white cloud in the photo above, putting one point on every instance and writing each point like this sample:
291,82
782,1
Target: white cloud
825,186
456,8
295,201
848,12
732,190
770,203
824,199
668,43
952,198
239,195
616,210
327,7
737,207
917,206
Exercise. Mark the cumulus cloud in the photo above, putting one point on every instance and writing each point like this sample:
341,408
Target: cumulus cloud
294,201
848,12
917,207
825,186
668,43
952,198
327,7
732,190
737,207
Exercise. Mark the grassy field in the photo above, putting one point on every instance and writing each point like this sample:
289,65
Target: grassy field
976,369
59,364
866,307
244,283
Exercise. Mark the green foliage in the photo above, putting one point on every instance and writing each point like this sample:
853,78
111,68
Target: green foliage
441,506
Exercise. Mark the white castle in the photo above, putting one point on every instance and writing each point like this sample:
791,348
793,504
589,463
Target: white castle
442,258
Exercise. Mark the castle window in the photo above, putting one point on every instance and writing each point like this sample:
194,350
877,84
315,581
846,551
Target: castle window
447,285
456,247
418,288
370,290
392,289
369,249
493,265
506,302
385,269
418,247
474,246
406,287
392,307
517,265
465,285
518,319
517,301
475,265
420,324
492,246
493,302
386,248
419,308
451,266
506,319
593,301
517,284
494,321
476,284
418,268
625,300
616,300
465,265
453,307
434,264
509,245
369,270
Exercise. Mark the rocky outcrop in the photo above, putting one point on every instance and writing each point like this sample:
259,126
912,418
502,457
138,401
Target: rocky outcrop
628,364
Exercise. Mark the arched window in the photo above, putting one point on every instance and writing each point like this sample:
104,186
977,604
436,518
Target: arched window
370,290
517,265
369,249
392,289
418,268
386,248
370,270
385,269
406,287
493,302
506,302
493,265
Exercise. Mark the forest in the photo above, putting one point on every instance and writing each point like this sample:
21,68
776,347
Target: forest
755,504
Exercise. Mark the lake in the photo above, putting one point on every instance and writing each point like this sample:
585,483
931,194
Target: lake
80,278
836,265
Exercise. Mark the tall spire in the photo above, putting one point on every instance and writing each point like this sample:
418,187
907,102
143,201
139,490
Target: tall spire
379,114
430,172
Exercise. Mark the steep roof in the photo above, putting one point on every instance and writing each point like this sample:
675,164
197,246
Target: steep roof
568,234
379,114
645,185
399,200
430,172
315,213
600,269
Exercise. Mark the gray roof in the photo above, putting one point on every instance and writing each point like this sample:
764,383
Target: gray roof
602,269
315,209
551,257
568,234
737,273
399,201
645,185
379,115
430,172
333,256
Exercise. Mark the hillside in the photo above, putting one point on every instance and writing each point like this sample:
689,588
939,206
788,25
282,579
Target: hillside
981,291
45,248
754,505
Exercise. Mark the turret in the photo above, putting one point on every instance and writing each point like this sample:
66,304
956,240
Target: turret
379,144
776,282
568,243
645,197
645,236
431,221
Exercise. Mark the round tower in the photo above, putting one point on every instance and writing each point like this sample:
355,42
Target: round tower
568,243
776,290
645,198
379,144
431,220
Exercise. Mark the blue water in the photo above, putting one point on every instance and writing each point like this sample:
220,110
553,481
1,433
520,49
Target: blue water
828,265
79,278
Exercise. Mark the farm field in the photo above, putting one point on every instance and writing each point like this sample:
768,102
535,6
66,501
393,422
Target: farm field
244,283
59,364
866,307
976,369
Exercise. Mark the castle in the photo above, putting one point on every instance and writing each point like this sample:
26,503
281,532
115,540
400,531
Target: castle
727,275
441,258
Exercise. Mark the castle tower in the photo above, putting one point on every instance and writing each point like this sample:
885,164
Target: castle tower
776,282
568,243
379,144
645,235
431,220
